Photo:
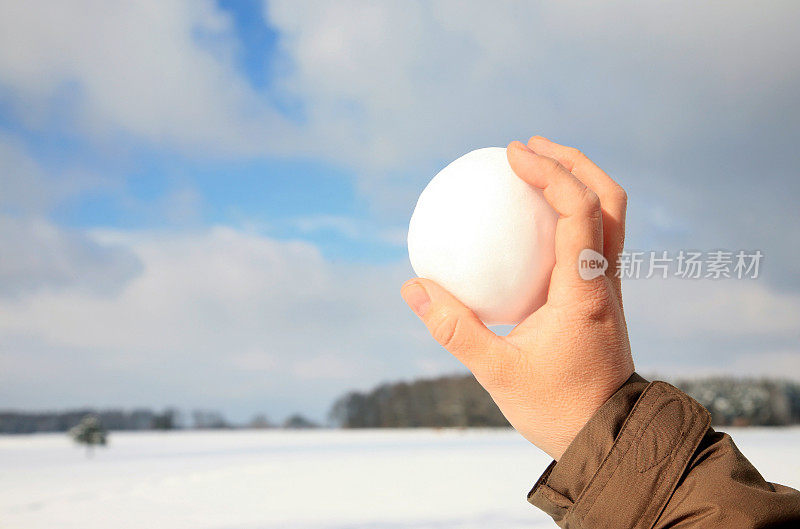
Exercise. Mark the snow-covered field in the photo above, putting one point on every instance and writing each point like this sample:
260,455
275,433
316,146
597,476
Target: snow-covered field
387,479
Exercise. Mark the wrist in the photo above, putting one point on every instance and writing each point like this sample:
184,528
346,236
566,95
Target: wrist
584,405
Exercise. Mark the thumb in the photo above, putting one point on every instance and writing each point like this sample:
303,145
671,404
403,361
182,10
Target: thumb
449,321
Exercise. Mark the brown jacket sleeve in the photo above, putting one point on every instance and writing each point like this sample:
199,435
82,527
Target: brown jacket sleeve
649,459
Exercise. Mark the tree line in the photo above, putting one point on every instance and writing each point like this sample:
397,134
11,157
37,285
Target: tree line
448,401
459,401
17,422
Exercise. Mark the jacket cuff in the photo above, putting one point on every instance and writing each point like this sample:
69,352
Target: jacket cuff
624,464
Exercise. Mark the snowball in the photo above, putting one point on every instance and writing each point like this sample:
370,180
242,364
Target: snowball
486,236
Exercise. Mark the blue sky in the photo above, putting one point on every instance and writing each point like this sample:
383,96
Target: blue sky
204,204
271,193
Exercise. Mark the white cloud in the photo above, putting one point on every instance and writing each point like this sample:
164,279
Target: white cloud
22,181
137,69
234,320
351,228
669,103
29,189
346,226
703,327
219,318
388,86
781,364
683,309
698,117
35,253
689,105
38,255
399,80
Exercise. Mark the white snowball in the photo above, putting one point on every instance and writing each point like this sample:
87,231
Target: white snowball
486,236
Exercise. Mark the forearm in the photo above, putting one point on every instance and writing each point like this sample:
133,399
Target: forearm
649,458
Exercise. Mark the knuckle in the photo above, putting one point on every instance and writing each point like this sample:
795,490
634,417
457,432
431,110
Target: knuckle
577,154
551,165
446,332
620,195
590,202
597,303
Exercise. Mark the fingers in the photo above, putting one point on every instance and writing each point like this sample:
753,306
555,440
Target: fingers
613,199
451,323
580,220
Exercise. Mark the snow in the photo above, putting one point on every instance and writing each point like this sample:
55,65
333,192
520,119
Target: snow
377,479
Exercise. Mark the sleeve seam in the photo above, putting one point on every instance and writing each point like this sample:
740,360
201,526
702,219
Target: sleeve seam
660,395
593,489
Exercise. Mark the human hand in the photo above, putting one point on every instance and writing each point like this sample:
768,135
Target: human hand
552,372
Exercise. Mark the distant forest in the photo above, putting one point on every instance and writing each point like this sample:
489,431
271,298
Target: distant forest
445,401
459,401
450,401
17,422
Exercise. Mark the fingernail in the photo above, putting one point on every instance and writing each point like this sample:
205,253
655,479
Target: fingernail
417,298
